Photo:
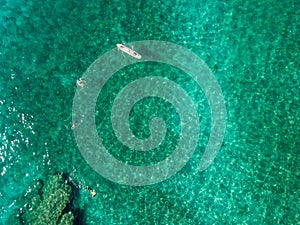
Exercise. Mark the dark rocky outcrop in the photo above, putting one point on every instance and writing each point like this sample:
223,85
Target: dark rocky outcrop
46,203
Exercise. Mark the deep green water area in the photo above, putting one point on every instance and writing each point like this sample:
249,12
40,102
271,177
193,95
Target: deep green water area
251,46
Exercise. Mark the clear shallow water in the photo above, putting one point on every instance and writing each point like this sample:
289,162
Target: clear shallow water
250,46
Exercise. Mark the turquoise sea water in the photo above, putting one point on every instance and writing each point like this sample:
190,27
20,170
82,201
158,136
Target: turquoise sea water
252,48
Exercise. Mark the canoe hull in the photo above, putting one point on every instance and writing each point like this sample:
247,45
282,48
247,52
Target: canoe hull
129,51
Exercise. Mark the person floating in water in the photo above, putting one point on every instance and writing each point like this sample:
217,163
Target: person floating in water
81,82
93,193
74,125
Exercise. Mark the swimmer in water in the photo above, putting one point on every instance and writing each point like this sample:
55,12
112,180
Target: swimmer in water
81,82
93,193
74,125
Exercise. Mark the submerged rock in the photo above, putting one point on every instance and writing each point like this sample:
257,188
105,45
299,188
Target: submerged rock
66,219
46,203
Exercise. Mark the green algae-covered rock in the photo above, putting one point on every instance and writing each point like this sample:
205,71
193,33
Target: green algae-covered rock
66,219
45,203
56,194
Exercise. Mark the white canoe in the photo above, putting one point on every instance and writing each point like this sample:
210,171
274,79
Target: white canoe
129,51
